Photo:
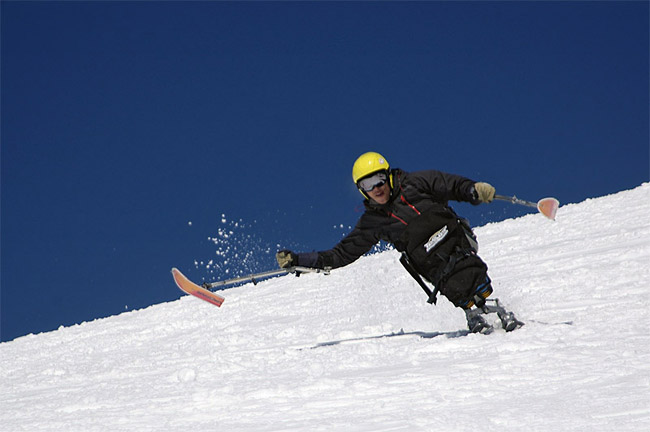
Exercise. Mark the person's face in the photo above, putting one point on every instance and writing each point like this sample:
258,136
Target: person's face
380,194
376,187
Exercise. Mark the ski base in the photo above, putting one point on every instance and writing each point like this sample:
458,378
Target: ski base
191,288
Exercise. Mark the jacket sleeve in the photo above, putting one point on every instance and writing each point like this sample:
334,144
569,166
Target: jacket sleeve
445,187
359,241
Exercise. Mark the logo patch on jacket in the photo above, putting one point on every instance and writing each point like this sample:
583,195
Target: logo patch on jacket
436,238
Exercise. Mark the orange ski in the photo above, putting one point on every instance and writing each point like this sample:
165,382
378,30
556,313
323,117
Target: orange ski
191,288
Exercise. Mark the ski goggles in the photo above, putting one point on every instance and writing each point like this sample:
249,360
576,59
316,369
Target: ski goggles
369,183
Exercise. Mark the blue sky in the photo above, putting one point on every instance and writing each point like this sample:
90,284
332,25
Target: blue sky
140,136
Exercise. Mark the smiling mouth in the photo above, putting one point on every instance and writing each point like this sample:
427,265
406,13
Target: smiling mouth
379,196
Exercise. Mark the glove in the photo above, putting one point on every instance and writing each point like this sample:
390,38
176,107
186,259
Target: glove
286,258
484,192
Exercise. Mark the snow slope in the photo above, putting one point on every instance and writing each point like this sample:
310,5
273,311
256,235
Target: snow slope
318,352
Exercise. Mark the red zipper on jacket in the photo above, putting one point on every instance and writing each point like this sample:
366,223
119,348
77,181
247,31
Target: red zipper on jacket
398,218
408,204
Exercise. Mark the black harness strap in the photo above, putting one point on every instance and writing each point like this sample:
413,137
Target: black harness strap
409,268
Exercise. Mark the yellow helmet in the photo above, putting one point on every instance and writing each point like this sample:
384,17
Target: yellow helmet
368,163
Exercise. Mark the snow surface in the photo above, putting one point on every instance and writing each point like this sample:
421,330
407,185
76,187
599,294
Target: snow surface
317,352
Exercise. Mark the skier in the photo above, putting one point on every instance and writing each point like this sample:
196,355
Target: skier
411,211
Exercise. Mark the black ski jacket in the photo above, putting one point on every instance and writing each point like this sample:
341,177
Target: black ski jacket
412,194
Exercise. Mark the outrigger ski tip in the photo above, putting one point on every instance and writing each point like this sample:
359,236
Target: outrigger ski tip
189,287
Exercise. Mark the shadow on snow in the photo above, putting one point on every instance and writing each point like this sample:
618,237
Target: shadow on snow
423,335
